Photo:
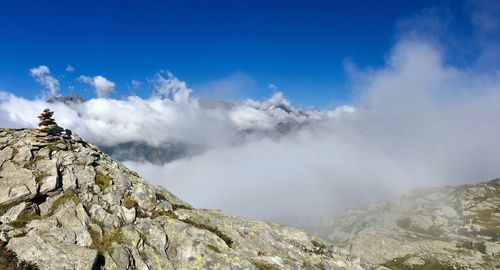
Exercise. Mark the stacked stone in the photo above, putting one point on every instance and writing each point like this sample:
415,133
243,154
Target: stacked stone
48,130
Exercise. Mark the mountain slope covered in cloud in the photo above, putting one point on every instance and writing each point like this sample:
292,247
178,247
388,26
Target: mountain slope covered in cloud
428,116
417,121
454,227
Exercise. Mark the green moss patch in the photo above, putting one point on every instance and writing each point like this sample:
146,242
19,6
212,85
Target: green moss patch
27,215
214,248
103,181
5,208
129,203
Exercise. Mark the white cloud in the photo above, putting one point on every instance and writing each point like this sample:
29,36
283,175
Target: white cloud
102,86
42,75
418,122
272,87
171,87
171,115
40,71
70,69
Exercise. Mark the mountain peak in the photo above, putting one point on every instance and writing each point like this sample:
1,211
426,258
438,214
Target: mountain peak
64,204
69,99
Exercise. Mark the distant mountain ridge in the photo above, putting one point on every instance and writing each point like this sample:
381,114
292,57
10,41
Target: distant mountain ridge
72,98
430,228
291,120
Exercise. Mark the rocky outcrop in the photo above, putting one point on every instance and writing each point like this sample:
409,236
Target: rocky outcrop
437,228
64,204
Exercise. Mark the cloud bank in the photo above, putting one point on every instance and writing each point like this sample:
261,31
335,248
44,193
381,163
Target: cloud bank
419,120
172,114
415,122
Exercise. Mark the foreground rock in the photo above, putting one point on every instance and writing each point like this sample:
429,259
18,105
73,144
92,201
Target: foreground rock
438,228
66,205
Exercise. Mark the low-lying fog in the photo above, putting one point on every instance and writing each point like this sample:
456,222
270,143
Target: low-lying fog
416,121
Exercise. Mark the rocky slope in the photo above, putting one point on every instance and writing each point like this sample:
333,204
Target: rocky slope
66,205
436,228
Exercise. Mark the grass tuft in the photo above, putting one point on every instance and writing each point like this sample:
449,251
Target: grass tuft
27,215
68,195
264,266
214,248
221,235
103,181
105,242
129,203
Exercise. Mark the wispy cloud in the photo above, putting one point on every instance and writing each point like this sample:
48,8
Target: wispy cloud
50,84
134,84
171,87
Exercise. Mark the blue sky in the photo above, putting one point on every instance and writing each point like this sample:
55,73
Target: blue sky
299,46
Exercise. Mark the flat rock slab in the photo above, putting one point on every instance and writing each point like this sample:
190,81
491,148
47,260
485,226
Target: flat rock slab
17,184
52,254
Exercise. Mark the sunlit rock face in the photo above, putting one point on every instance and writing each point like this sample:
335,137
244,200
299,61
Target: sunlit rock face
440,228
64,204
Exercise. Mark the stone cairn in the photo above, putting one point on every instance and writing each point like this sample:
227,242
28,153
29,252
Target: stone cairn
48,130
